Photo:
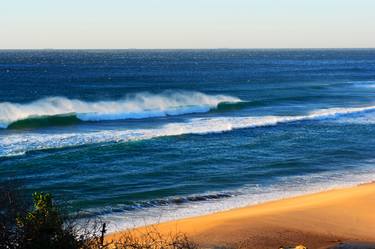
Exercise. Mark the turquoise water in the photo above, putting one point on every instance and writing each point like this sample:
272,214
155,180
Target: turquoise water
139,136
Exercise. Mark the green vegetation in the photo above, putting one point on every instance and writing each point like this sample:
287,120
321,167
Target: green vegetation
42,226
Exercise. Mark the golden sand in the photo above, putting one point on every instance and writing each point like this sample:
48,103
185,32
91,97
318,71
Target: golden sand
315,220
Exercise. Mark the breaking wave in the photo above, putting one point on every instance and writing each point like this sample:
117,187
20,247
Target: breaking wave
165,202
18,144
60,110
43,121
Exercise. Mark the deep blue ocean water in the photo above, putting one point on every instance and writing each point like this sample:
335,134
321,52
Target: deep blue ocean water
139,136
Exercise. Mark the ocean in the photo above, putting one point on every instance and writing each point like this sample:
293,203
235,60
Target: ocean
141,136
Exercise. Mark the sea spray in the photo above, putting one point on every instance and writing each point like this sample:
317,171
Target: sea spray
18,144
134,106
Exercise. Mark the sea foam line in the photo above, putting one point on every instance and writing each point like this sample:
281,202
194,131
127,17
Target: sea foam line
135,106
18,144
281,188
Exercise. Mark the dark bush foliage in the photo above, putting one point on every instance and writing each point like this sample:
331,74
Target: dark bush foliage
12,205
42,226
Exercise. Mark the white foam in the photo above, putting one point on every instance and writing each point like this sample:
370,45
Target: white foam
364,84
140,105
364,119
17,144
144,114
283,187
338,111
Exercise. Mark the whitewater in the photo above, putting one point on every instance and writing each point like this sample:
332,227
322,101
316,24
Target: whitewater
133,135
134,106
19,144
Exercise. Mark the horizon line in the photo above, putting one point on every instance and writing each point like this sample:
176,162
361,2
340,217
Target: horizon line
254,48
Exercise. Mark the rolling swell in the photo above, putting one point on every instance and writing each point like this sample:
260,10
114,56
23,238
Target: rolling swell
233,106
204,104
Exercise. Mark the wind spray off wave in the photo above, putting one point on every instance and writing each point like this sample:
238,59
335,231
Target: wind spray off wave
19,144
135,106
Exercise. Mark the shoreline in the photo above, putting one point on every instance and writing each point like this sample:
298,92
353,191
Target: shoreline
316,220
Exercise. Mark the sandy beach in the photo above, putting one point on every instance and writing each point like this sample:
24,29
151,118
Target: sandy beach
316,220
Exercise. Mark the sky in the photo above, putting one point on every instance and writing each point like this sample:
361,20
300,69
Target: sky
96,24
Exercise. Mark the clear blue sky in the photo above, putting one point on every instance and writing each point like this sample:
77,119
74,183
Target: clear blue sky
186,23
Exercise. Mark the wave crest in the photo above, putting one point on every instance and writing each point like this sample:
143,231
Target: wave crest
18,144
135,106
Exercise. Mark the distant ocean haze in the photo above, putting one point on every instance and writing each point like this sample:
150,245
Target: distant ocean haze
139,136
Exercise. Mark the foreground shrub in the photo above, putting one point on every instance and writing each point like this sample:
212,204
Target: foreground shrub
12,205
42,226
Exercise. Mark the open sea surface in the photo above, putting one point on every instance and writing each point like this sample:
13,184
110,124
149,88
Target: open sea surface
142,136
